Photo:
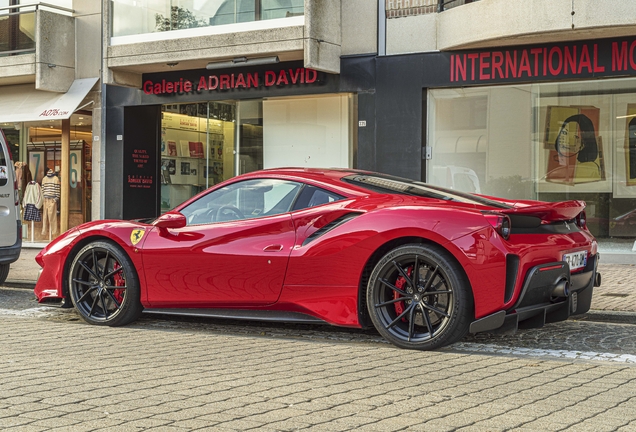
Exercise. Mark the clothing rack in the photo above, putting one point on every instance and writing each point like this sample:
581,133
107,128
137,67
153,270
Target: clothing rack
43,145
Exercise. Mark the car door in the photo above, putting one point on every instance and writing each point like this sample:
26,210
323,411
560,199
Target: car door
233,251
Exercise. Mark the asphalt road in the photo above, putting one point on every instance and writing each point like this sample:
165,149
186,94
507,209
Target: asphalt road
162,373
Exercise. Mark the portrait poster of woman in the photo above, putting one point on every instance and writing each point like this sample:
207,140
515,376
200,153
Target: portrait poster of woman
575,148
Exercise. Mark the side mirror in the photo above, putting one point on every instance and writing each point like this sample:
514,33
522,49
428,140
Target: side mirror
170,220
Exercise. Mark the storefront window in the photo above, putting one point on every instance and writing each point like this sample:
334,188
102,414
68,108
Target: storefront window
149,16
197,149
41,151
552,142
201,147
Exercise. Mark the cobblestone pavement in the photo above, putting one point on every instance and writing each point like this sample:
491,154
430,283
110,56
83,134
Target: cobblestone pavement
57,373
618,288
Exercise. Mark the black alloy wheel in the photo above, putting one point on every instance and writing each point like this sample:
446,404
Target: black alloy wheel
104,286
419,298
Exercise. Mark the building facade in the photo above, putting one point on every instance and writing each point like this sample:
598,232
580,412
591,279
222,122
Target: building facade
50,58
199,92
521,99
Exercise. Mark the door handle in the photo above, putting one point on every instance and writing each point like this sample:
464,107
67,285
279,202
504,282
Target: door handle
273,248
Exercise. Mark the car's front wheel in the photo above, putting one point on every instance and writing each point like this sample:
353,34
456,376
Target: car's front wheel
104,286
419,298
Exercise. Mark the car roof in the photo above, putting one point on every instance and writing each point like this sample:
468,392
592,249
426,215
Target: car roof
322,176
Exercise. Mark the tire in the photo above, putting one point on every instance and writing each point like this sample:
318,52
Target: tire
4,272
438,314
104,285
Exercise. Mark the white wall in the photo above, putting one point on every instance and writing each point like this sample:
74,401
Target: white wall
307,132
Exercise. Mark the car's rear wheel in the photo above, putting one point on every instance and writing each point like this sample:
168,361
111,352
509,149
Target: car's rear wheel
4,272
104,286
419,298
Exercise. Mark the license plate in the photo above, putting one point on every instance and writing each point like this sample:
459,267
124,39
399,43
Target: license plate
576,260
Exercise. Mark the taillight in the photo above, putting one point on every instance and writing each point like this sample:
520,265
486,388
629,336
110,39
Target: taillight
501,224
581,220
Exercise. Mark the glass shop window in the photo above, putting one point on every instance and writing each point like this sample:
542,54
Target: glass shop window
548,141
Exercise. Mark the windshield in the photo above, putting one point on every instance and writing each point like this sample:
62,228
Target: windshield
386,184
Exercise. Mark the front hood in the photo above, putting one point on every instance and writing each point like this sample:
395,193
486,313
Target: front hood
106,224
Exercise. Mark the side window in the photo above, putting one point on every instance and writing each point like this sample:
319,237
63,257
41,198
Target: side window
312,196
4,167
243,200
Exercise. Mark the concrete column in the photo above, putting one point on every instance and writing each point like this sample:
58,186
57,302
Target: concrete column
64,173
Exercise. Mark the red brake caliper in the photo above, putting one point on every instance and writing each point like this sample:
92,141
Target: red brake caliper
400,283
119,281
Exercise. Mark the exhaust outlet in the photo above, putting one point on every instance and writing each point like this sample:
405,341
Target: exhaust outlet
562,289
597,280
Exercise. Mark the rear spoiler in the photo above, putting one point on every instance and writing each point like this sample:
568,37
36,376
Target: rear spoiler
548,212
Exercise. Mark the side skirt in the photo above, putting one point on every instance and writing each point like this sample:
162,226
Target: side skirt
241,314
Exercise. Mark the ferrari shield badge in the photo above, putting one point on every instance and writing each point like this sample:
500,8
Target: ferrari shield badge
136,235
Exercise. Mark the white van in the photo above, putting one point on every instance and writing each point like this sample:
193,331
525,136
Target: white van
10,226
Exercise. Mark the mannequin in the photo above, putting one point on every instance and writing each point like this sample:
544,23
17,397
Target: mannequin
51,193
32,203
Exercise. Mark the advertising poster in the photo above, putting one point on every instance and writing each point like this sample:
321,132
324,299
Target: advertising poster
625,175
575,154
576,151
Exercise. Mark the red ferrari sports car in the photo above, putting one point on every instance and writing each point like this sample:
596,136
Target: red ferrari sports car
424,265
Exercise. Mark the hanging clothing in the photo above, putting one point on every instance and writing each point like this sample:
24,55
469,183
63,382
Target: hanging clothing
18,174
31,213
32,202
51,187
23,177
33,195
49,211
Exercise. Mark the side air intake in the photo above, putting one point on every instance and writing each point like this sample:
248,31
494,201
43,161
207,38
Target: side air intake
512,269
331,225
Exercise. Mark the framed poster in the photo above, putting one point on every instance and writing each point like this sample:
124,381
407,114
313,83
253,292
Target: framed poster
575,154
625,166
185,168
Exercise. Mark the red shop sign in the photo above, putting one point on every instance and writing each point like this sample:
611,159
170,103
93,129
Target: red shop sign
231,81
